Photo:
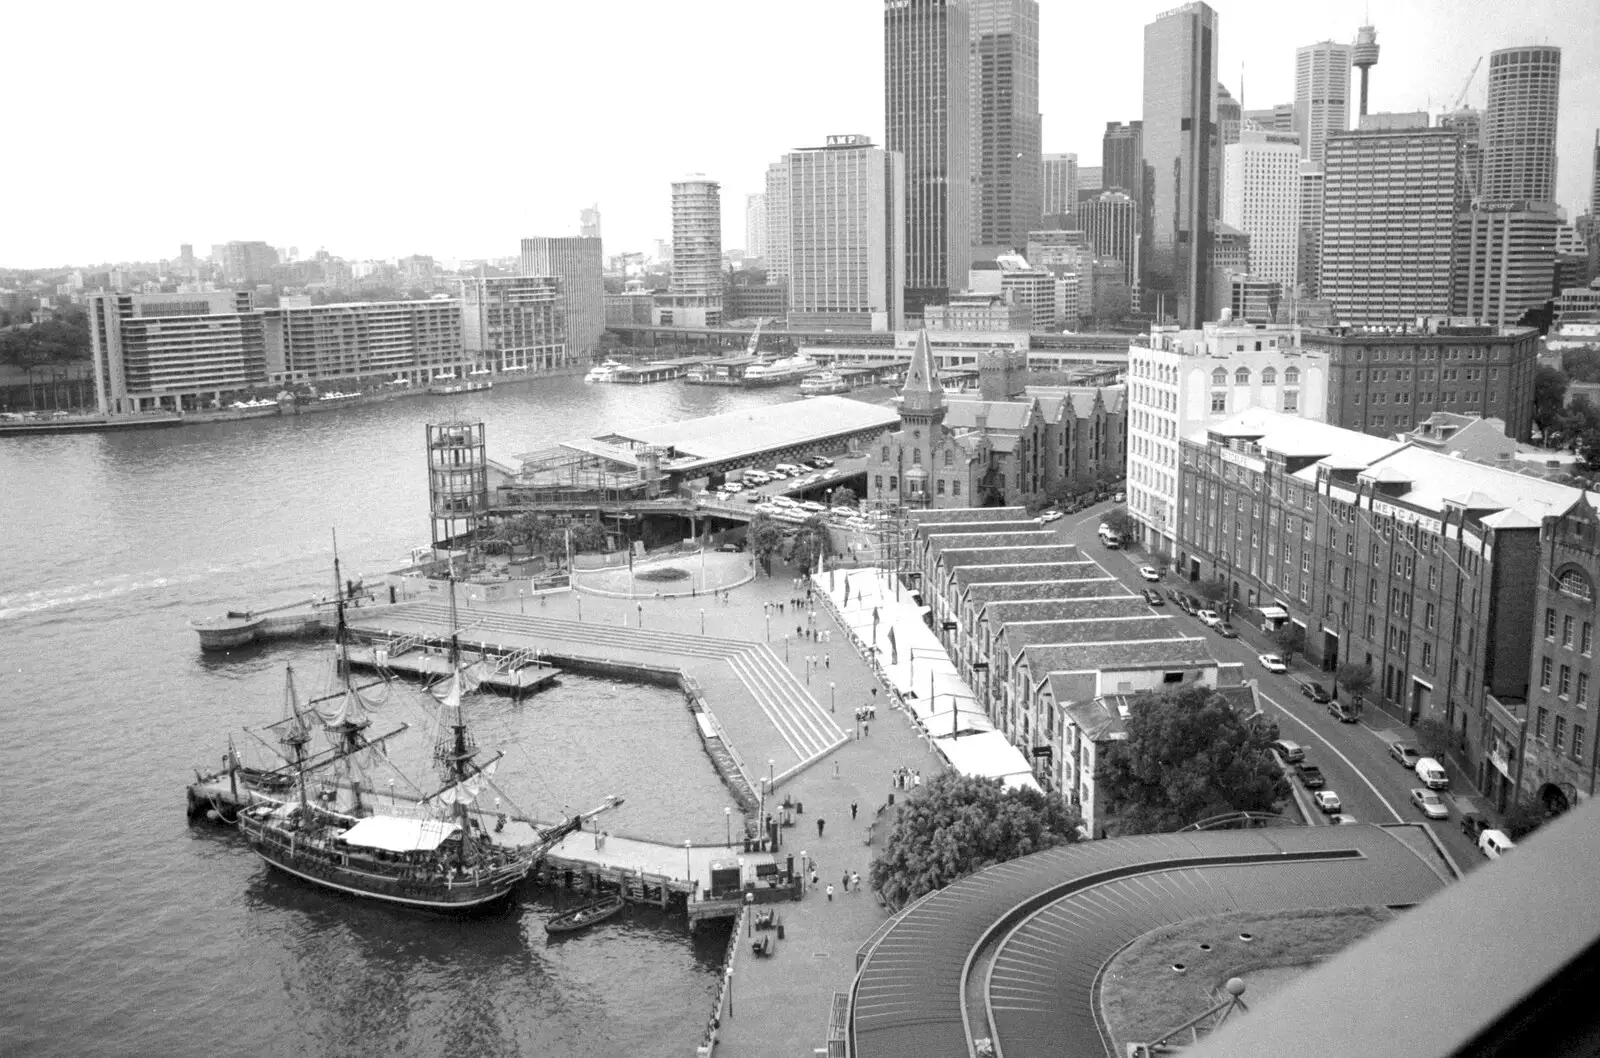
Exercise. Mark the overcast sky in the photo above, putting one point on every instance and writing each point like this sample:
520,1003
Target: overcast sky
379,130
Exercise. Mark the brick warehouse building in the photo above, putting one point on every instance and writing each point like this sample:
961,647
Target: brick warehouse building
1385,379
1411,562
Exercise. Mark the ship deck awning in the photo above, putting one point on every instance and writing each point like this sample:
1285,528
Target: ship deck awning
392,834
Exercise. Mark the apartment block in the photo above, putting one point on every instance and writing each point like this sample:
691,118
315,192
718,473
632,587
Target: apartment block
410,340
515,323
171,352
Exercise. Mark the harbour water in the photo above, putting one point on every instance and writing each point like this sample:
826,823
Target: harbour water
125,931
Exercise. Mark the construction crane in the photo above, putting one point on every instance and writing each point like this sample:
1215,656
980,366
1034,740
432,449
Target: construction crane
1462,98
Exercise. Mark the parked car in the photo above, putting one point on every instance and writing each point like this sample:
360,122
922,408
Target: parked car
1327,802
733,486
1429,802
1431,772
1051,516
1272,663
1472,823
1209,618
1405,753
791,468
1225,630
1181,601
1149,573
1495,843
1153,598
1291,752
1345,712
730,548
1310,774
1342,819
755,497
1315,692
821,462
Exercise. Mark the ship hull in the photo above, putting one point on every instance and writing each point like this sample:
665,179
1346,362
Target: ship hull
425,896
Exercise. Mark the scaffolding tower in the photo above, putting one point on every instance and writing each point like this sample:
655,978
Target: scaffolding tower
458,484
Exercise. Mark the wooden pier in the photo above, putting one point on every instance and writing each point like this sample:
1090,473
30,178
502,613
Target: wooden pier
509,671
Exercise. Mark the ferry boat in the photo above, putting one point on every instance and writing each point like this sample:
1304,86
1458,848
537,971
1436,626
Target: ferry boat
777,372
822,383
606,372
336,398
446,383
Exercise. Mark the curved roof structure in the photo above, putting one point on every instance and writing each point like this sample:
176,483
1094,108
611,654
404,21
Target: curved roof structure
1015,951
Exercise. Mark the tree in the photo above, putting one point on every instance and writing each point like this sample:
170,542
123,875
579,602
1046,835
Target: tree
1434,738
809,543
1290,639
1523,818
588,536
1214,592
955,825
1189,756
764,539
1121,522
1549,400
1355,679
844,496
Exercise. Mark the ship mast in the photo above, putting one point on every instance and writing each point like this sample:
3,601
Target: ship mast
295,736
456,750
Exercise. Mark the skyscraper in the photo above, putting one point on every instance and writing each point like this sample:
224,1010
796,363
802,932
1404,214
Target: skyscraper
1519,132
577,263
1470,124
846,235
755,224
1180,119
777,203
1110,221
1262,199
1312,191
1321,94
1060,184
1004,72
696,236
1122,158
1505,261
1594,179
1375,268
589,222
927,95
1090,178
1277,118
1229,117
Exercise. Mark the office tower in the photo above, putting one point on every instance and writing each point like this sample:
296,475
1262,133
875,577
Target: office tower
1312,191
1364,56
1321,94
248,262
589,222
755,224
1469,123
1519,130
1060,173
1594,179
1262,200
1180,117
927,97
846,236
186,255
1090,178
515,322
1111,224
1230,118
1277,118
696,236
1122,158
1505,261
1005,127
576,262
1374,269
777,203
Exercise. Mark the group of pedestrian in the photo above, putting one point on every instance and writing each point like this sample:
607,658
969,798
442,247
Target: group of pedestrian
851,882
906,778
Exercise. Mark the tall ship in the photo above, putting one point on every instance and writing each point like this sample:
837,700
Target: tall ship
823,383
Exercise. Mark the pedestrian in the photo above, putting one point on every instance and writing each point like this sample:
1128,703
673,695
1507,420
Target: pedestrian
866,729
852,810
820,823
855,880
844,883
830,892
916,780
799,632
827,661
813,877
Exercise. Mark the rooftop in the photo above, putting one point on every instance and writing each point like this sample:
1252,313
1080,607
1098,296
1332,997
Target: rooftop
1294,437
1180,651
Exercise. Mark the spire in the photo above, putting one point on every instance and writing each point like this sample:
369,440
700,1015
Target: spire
922,392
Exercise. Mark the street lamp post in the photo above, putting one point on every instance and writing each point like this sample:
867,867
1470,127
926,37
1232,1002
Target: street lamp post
688,868
702,620
769,628
830,696
727,825
521,605
580,607
730,991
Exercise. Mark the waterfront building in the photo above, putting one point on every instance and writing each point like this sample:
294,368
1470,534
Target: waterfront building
413,340
1276,118
846,239
1406,560
1061,183
1005,125
1122,158
1261,198
577,263
1374,270
755,224
1383,379
1111,224
1505,261
1181,380
776,199
515,323
928,121
634,307
1321,95
1519,128
170,352
696,251
1180,114
744,300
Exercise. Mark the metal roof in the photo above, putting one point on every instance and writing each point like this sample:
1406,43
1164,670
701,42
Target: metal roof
753,432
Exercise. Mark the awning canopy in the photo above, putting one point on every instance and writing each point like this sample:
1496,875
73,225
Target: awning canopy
1275,613
394,834
989,755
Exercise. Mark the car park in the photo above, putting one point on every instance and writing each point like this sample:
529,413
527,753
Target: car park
1495,843
1149,573
1272,663
1209,618
1311,775
1405,753
1315,692
1429,802
1153,598
1291,752
1432,774
1327,802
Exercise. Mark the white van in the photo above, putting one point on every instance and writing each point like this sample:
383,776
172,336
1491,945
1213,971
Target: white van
1432,775
1495,843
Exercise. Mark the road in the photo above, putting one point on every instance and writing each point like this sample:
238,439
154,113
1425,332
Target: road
1354,758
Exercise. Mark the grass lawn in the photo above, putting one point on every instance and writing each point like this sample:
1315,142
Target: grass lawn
1142,996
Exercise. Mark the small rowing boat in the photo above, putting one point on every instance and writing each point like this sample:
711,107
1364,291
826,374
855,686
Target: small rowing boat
585,916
